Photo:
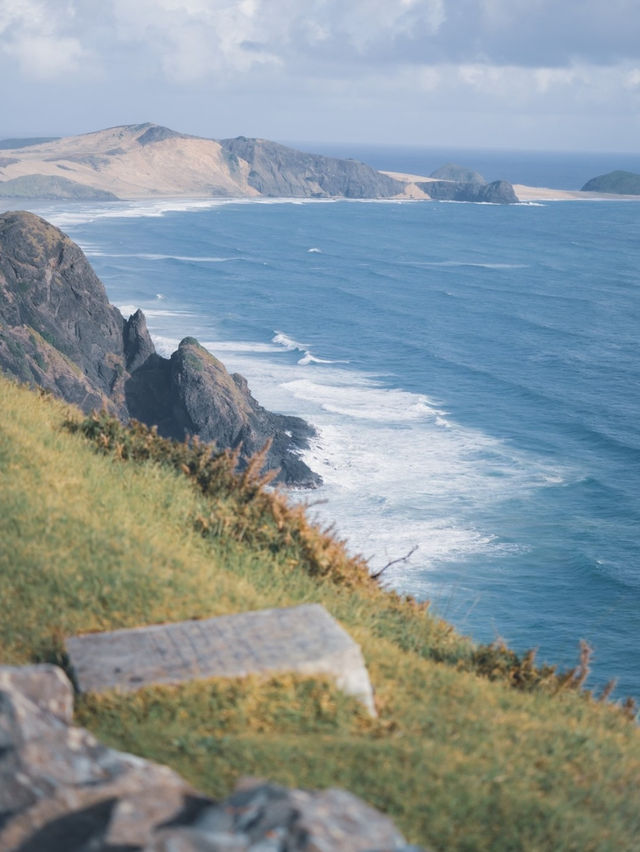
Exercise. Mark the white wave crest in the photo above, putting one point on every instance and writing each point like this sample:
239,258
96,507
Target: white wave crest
292,345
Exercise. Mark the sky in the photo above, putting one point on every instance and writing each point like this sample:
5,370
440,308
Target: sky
513,74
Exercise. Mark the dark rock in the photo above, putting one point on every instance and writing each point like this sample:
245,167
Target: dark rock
52,186
280,171
618,183
138,347
57,328
497,192
460,174
58,331
193,394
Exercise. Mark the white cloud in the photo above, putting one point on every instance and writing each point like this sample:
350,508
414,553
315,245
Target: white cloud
30,34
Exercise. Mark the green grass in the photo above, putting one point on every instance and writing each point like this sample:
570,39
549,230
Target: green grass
474,748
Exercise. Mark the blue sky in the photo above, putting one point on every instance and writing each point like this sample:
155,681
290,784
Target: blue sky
529,74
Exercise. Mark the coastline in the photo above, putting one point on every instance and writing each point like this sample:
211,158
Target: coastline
524,192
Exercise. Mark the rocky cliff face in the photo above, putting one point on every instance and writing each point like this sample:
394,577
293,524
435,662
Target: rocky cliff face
58,331
276,170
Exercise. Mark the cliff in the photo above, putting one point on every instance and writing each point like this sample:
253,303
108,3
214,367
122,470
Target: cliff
58,331
276,170
618,182
146,160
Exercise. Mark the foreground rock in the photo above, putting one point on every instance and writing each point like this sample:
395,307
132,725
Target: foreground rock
58,331
302,639
62,791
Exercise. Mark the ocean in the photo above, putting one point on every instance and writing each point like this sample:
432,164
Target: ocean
472,371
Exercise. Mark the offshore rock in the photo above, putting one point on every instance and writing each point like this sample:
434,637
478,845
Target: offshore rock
58,331
497,192
60,789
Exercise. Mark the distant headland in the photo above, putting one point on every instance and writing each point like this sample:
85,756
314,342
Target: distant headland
141,161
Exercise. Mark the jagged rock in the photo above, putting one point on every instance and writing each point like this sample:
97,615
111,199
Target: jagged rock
62,791
138,346
497,192
460,174
193,394
276,170
58,331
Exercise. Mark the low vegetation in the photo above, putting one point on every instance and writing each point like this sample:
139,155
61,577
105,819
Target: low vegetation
474,747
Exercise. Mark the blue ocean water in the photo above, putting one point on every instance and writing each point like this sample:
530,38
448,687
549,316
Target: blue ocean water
472,371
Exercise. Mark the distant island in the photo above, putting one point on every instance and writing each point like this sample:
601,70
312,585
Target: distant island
618,182
142,161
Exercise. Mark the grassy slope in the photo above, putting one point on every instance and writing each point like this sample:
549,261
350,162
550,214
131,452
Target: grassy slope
88,542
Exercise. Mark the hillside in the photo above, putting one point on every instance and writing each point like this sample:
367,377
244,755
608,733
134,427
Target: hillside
146,160
473,749
619,182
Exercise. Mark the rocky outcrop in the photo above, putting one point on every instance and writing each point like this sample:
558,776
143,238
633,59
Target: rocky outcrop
497,192
58,331
276,170
460,174
60,789
618,182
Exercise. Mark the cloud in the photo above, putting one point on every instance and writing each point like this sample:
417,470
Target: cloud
385,56
187,40
31,35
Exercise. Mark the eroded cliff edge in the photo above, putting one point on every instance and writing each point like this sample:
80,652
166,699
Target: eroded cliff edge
59,331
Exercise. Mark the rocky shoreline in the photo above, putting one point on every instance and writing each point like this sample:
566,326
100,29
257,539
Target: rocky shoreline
58,331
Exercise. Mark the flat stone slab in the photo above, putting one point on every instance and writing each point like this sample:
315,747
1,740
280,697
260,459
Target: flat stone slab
303,639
